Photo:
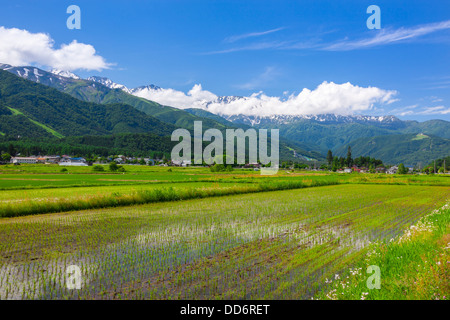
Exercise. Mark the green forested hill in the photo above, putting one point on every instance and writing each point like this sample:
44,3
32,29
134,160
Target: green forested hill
325,136
32,109
436,127
90,91
131,144
409,149
391,142
205,114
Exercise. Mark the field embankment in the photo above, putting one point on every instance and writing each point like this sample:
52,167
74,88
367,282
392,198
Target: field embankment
161,194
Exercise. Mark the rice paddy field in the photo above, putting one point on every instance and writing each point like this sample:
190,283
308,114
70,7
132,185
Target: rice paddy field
188,233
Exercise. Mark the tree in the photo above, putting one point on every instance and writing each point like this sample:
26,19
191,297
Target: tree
11,150
330,157
335,164
341,162
113,166
349,159
402,169
6,157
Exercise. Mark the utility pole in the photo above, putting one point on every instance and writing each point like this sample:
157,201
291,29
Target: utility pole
434,166
444,165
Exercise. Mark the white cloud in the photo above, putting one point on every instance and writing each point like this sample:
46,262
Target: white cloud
21,47
328,97
262,79
384,36
253,47
387,36
251,35
195,98
416,110
405,111
435,110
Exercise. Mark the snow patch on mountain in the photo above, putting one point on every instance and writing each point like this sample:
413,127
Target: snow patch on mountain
65,74
321,118
108,83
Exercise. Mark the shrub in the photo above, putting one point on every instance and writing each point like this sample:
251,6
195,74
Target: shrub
98,168
217,168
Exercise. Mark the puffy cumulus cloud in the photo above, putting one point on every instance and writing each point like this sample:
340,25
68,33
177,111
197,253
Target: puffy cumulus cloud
195,98
328,97
21,47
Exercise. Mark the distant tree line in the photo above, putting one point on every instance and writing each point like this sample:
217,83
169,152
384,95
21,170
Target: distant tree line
438,166
336,163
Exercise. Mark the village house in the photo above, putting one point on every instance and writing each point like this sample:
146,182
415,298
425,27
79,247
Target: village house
252,165
119,160
52,159
392,170
80,162
182,163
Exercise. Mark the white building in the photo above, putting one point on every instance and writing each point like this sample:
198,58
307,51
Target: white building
32,160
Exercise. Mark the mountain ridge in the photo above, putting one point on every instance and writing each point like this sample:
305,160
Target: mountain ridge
311,133
22,101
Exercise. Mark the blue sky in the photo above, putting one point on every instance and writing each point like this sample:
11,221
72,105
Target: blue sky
278,47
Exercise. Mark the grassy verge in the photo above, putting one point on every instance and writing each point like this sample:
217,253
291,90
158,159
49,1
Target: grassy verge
147,196
415,266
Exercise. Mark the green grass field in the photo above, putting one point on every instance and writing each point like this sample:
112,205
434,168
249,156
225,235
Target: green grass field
193,234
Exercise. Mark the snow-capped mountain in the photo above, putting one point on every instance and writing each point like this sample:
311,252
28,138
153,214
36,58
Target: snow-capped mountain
138,90
108,83
226,99
113,85
320,118
66,74
55,78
